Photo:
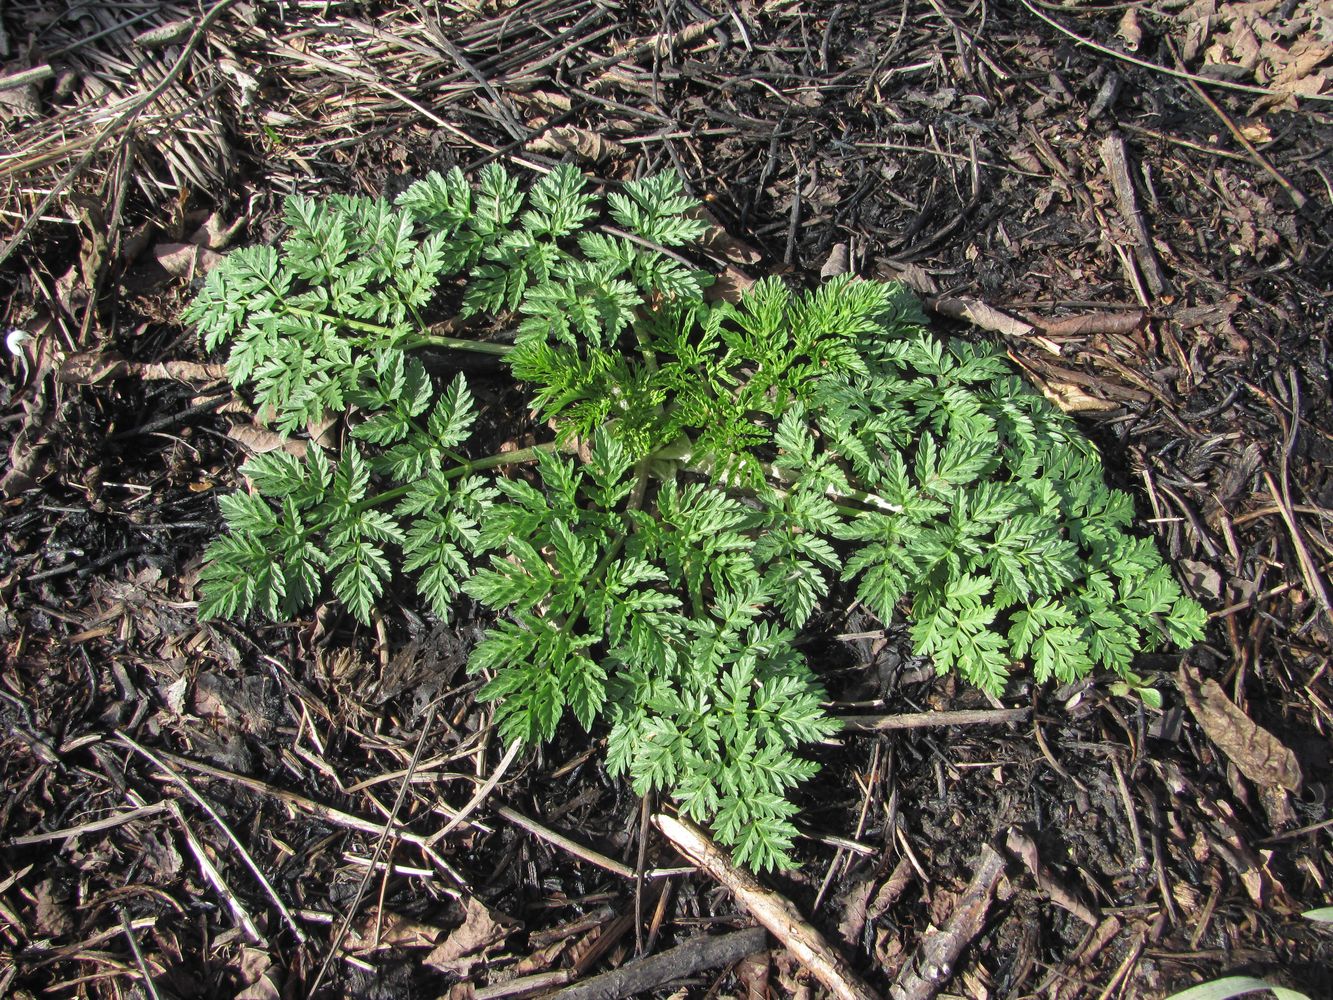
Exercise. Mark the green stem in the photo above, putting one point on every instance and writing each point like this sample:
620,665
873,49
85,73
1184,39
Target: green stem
422,340
457,344
463,469
352,324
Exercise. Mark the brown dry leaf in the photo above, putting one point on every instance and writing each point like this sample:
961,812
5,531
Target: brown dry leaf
1256,752
185,260
1281,46
260,440
393,930
752,973
579,141
889,952
941,904
985,316
482,929
215,232
913,276
324,432
90,368
1257,132
837,262
262,988
855,901
717,240
540,960
1130,30
1070,398
51,912
899,879
255,972
730,285
547,100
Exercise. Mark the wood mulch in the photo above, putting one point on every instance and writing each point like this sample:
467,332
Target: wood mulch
1128,197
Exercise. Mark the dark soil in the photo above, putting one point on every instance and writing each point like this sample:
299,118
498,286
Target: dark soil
961,150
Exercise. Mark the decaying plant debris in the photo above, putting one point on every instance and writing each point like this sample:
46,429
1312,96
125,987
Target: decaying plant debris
1051,176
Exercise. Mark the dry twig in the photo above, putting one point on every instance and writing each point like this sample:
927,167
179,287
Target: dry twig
925,720
932,965
705,952
776,913
222,825
346,924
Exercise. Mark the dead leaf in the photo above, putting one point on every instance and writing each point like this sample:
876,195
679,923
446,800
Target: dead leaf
854,902
185,260
546,100
1256,752
899,879
1129,29
730,285
91,368
51,910
255,973
718,241
260,440
1257,132
249,704
215,232
752,972
837,262
173,694
392,930
980,314
262,988
582,143
324,432
160,856
914,276
482,929
1279,46
1070,398
1203,578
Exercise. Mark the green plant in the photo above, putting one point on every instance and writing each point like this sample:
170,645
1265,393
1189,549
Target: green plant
715,469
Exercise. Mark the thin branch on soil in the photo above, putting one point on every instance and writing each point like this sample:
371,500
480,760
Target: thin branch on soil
1309,571
1179,74
932,965
1116,157
925,720
133,939
324,812
79,947
120,122
564,843
479,796
215,878
578,850
1297,198
525,986
1131,815
775,912
656,971
203,804
350,915
95,826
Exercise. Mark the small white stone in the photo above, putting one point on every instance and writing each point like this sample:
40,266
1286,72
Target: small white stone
15,338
